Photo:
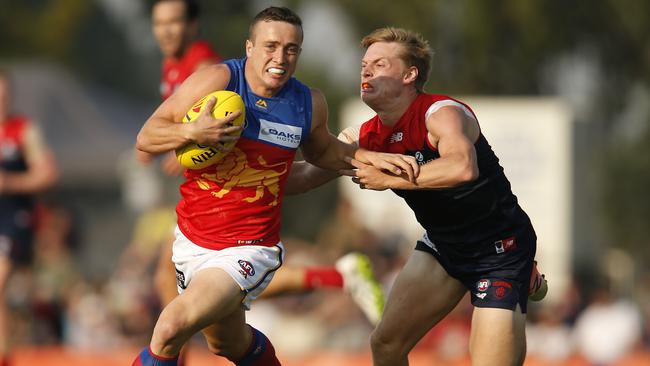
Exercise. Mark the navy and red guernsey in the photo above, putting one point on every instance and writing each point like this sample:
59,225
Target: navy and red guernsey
175,71
460,214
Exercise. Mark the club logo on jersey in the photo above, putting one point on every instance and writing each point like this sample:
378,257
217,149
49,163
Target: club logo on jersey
422,157
505,245
246,268
234,171
280,134
483,285
180,279
396,137
261,103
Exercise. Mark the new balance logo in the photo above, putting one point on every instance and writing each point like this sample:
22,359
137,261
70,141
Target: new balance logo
396,137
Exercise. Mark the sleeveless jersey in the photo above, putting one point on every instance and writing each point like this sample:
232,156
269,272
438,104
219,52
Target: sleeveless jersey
461,214
237,200
12,159
175,71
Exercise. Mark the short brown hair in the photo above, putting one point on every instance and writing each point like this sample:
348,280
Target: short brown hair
416,50
192,8
277,14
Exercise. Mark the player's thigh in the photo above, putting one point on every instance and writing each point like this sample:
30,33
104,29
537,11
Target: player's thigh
212,295
421,296
498,337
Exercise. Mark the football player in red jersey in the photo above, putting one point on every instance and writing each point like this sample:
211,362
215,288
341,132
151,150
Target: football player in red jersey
227,244
477,239
27,167
175,26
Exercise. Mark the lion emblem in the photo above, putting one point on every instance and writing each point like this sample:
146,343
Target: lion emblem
234,171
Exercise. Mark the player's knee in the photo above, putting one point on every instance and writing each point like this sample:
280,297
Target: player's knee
168,332
382,343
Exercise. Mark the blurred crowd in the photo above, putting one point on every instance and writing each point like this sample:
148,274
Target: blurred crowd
52,303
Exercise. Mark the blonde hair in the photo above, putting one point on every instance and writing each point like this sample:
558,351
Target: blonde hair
416,50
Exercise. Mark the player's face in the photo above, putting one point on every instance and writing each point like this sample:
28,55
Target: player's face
272,52
382,73
170,27
4,99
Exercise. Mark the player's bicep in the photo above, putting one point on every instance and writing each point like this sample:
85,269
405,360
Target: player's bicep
318,139
202,82
451,131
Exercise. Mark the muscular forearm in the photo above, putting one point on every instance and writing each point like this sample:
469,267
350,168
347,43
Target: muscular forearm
159,135
436,174
305,177
332,156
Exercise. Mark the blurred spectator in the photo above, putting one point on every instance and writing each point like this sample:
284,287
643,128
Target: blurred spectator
90,324
27,167
55,272
608,328
548,337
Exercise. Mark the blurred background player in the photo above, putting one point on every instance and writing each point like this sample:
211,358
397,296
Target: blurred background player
176,28
27,167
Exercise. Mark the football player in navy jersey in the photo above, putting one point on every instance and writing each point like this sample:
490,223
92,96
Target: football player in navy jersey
477,238
227,244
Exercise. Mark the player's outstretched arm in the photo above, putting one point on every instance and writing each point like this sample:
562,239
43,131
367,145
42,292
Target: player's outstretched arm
453,133
305,176
163,131
326,151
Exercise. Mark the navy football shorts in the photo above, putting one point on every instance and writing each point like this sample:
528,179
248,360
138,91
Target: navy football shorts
496,271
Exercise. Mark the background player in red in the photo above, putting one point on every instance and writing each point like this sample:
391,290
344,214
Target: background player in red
176,27
227,246
27,167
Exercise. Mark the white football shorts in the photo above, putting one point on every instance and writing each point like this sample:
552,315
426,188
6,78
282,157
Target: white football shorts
251,266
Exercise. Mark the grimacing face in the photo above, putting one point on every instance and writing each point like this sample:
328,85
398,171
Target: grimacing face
383,73
273,52
171,27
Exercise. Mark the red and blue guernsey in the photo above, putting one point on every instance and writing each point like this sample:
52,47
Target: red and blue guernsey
237,200
461,214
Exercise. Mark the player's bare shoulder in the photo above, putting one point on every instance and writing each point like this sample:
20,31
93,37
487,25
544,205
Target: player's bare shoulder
212,77
319,109
451,118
